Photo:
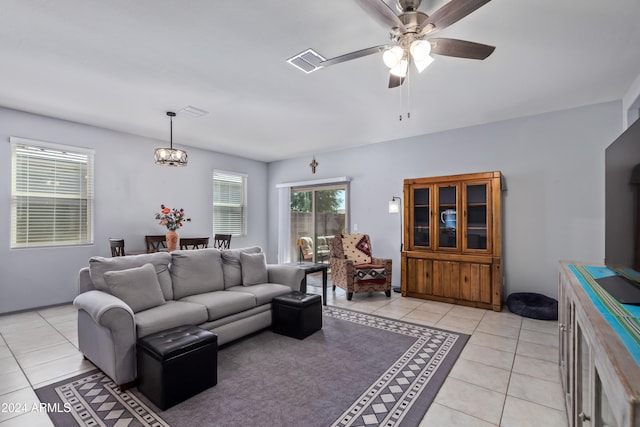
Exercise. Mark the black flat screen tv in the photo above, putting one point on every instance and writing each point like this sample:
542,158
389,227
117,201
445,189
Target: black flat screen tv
622,206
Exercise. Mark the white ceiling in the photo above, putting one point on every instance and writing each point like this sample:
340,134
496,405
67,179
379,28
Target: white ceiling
121,64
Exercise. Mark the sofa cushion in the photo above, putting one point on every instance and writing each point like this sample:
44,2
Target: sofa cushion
223,303
138,287
370,273
231,264
196,272
357,248
160,260
169,315
264,292
254,269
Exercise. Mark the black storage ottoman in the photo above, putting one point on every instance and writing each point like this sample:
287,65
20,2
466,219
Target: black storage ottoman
297,315
177,364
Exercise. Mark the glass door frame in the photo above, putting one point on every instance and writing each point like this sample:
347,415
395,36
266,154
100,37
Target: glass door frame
295,235
411,220
489,220
436,226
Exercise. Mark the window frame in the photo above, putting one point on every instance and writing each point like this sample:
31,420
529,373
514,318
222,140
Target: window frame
244,205
85,193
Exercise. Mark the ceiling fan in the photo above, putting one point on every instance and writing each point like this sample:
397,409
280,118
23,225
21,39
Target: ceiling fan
412,34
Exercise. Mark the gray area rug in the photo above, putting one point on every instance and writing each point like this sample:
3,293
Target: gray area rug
359,370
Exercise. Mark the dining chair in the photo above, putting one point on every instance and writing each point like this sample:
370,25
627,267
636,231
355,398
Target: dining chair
222,241
117,247
155,243
194,242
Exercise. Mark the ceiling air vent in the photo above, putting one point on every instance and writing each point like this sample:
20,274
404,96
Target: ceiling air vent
193,111
307,61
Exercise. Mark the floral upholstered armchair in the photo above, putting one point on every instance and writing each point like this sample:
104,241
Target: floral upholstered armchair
353,267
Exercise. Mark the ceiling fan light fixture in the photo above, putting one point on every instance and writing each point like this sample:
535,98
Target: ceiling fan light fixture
401,69
422,64
420,49
393,56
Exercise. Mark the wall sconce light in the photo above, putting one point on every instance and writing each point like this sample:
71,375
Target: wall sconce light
394,205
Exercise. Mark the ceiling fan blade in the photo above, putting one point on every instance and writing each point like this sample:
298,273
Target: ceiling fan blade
379,10
395,81
450,13
460,48
354,55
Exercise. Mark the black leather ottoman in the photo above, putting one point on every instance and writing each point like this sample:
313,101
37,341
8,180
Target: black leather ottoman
176,364
297,315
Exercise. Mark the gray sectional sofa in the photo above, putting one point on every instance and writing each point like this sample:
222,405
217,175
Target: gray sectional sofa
125,298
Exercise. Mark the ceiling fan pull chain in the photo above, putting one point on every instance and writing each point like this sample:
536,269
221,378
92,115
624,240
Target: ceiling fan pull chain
400,102
409,93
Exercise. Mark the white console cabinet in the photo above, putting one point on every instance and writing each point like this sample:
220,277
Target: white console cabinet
600,378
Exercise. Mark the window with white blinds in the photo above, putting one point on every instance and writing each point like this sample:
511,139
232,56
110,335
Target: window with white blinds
51,194
229,203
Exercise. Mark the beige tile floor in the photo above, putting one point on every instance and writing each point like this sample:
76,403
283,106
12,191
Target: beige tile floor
507,375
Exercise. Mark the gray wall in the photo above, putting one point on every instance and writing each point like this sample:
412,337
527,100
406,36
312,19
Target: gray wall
129,189
554,168
553,209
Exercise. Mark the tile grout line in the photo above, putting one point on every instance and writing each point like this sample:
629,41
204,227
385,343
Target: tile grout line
19,366
513,362
466,413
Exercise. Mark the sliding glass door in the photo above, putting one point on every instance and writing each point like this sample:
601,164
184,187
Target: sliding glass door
317,215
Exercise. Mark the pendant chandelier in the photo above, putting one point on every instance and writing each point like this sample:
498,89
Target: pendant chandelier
170,156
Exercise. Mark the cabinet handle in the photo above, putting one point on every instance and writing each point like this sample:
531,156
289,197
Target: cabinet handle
562,327
583,417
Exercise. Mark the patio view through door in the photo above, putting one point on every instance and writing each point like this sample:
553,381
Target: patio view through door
317,215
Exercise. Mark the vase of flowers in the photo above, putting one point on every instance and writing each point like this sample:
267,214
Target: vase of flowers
173,219
172,240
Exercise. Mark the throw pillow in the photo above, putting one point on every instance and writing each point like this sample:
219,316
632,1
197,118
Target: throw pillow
138,287
370,273
254,269
160,260
196,272
356,248
231,265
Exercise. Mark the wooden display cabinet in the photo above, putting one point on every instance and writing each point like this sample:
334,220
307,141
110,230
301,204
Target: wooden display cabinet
453,239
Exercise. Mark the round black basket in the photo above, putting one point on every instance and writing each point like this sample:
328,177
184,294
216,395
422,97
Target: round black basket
534,306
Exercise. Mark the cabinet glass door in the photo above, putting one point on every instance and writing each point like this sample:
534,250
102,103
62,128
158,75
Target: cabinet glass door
566,314
604,412
422,217
447,217
583,380
477,216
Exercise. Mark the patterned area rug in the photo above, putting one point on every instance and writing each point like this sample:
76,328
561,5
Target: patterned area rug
359,370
